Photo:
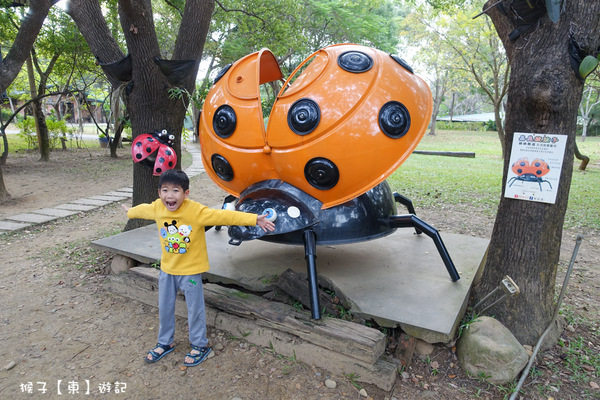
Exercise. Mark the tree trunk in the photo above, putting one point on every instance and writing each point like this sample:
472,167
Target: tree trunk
148,105
543,97
19,52
584,159
4,195
38,114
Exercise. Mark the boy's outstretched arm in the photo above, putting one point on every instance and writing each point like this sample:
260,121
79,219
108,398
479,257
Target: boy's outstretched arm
265,224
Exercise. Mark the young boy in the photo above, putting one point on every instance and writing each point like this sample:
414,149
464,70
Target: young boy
181,223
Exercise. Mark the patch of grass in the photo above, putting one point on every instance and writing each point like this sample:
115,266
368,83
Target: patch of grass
433,180
352,378
581,359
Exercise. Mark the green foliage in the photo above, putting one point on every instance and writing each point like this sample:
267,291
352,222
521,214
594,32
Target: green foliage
27,132
294,29
587,66
581,359
352,378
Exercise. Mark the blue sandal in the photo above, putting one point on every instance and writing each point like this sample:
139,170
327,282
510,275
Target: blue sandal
155,356
198,358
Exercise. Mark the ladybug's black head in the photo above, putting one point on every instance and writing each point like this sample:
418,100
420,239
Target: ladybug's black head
165,137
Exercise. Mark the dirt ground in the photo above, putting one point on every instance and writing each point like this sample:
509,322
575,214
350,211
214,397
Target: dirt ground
63,334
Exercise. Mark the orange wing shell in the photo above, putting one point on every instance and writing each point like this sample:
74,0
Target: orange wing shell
537,167
348,120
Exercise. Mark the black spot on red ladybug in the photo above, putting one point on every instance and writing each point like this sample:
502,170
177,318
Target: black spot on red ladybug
148,149
159,170
138,156
168,152
170,164
161,160
519,171
138,144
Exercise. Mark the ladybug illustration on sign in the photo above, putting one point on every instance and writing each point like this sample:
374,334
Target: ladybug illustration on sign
155,151
530,172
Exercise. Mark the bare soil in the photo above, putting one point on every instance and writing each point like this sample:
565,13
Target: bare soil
62,332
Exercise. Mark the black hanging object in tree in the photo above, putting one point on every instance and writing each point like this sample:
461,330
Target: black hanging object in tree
176,71
119,70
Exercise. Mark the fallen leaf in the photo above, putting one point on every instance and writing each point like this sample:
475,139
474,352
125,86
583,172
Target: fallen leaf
594,385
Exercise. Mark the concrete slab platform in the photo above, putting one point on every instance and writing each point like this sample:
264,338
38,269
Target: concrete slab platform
126,189
33,218
55,212
399,280
10,226
75,207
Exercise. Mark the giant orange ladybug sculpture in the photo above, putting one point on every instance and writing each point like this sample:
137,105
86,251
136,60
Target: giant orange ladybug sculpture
345,119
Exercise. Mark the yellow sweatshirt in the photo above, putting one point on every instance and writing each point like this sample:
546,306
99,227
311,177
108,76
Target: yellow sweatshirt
182,232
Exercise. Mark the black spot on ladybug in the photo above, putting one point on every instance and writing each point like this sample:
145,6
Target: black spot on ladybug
138,144
148,149
168,152
403,63
170,164
224,121
304,116
138,156
394,119
161,160
523,163
538,172
519,171
222,167
159,170
321,173
355,61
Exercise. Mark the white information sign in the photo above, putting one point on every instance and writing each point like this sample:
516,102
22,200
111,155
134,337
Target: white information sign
535,165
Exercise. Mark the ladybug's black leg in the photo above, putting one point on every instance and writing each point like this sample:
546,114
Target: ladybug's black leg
310,252
406,202
411,220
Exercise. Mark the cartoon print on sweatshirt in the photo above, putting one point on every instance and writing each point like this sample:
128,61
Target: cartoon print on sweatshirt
175,239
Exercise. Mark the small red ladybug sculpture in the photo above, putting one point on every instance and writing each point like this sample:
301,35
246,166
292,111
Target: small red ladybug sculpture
530,172
155,151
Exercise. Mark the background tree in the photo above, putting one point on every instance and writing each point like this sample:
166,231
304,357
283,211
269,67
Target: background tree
11,64
543,97
589,101
152,102
479,53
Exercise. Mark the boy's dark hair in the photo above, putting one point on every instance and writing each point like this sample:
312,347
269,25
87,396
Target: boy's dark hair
175,177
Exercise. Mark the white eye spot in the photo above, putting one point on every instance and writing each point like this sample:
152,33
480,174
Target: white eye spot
293,211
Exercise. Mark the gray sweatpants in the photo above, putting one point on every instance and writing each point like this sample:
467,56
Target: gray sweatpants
191,286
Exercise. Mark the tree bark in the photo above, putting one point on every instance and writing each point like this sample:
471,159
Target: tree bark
148,104
543,97
28,32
